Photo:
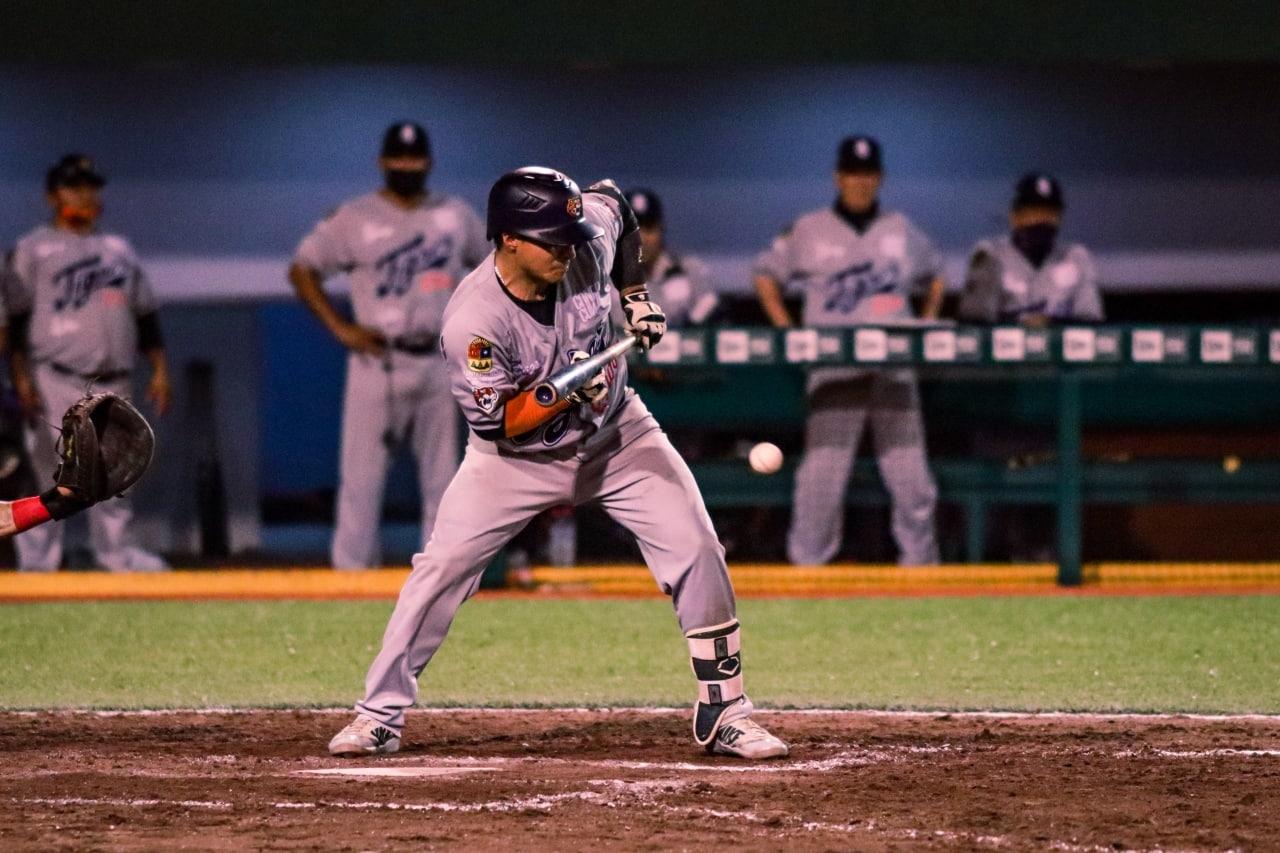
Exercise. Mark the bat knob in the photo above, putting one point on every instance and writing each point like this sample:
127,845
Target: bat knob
544,394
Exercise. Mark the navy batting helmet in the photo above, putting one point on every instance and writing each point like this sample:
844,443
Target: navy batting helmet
541,204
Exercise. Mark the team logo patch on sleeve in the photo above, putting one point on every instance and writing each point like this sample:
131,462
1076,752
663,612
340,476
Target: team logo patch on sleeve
480,355
486,398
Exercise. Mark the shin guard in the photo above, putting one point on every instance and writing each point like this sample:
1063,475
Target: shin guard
717,664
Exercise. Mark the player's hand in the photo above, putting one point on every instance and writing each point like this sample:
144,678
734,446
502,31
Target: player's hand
645,319
594,390
361,339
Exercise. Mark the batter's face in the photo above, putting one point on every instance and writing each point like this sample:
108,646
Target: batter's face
858,190
537,265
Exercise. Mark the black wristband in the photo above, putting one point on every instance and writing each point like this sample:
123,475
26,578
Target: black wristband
62,506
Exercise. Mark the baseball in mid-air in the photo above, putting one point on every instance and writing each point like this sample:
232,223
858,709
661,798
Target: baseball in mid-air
765,458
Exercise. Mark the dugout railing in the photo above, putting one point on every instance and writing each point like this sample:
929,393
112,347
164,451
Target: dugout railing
751,380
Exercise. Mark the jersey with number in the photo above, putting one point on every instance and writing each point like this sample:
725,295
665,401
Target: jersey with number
84,293
496,347
402,263
1003,287
850,278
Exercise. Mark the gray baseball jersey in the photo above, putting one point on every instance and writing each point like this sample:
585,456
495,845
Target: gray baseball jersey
1003,287
83,293
848,279
681,284
614,454
402,265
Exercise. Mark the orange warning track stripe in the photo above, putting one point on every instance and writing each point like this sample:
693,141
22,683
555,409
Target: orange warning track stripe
634,581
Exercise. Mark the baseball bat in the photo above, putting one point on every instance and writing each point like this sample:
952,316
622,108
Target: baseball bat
559,385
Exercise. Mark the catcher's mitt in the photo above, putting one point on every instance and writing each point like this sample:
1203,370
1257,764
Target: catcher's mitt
106,445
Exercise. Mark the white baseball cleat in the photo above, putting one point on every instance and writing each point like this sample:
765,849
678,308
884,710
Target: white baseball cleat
747,739
364,736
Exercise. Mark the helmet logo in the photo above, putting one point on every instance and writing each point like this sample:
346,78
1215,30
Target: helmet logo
574,206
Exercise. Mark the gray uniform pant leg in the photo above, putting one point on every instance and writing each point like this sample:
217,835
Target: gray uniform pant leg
362,466
489,500
645,485
837,414
897,430
435,439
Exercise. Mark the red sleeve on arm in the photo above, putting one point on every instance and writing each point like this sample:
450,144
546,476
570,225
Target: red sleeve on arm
29,512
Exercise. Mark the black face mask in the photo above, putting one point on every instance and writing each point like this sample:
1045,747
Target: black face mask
405,183
1035,242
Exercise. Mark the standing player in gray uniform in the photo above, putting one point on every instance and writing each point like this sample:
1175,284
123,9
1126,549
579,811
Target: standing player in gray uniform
404,249
857,265
538,303
80,308
1026,276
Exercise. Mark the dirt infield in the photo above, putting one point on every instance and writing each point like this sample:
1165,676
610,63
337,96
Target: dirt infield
633,780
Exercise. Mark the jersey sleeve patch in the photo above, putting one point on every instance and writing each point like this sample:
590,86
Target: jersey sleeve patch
480,356
486,398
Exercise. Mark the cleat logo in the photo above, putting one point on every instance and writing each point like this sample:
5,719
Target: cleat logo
730,735
382,734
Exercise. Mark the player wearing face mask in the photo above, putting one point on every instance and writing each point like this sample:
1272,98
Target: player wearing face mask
404,249
1028,277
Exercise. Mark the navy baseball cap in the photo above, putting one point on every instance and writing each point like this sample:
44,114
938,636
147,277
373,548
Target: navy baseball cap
73,170
405,139
1036,189
647,206
858,154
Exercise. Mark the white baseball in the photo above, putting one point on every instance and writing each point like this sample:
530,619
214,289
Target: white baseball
765,458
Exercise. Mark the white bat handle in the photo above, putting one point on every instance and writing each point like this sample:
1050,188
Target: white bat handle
556,387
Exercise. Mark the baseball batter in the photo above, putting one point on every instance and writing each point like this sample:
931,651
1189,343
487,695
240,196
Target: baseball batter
80,307
404,249
537,304
1027,276
857,265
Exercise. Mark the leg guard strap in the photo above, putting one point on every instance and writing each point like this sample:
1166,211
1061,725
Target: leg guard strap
717,664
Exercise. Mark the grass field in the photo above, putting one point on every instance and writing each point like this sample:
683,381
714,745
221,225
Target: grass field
1202,654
